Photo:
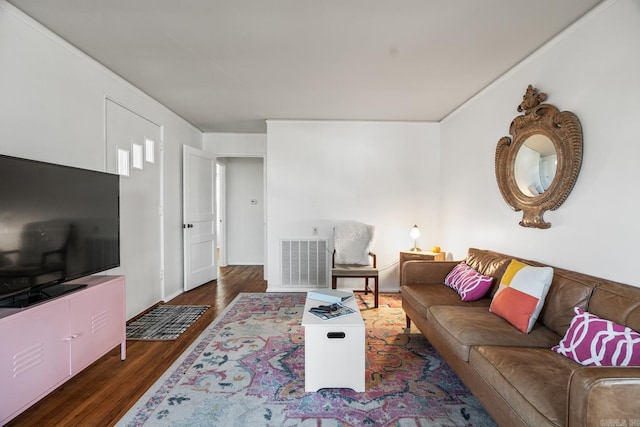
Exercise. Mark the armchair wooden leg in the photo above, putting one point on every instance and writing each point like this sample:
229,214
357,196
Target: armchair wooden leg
334,282
375,291
408,322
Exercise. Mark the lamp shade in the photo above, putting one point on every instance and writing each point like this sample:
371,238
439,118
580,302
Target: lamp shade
415,232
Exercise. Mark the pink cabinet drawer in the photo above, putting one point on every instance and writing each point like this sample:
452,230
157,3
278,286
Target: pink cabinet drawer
34,351
97,323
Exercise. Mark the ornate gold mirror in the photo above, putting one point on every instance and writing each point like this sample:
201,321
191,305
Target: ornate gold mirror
538,165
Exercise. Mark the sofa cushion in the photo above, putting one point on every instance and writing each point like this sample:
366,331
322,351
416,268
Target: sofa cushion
463,327
488,263
592,341
521,294
470,284
533,381
568,290
422,296
617,302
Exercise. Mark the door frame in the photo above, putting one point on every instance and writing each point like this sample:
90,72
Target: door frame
223,201
221,212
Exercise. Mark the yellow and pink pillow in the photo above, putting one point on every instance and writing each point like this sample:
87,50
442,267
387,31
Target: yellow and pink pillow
521,294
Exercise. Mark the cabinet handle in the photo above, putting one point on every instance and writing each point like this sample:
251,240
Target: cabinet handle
336,335
71,337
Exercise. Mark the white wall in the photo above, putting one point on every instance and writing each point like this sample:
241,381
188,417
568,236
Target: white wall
235,144
380,173
592,69
53,109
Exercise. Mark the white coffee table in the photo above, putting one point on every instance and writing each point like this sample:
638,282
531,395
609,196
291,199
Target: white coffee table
334,350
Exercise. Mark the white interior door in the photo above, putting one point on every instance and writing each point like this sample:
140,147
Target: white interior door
199,223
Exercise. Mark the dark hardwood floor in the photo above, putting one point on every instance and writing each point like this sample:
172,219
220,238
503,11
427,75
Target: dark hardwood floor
101,394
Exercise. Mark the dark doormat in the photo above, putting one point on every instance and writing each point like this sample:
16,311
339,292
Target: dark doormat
164,322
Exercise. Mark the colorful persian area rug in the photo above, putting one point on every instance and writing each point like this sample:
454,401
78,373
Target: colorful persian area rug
247,369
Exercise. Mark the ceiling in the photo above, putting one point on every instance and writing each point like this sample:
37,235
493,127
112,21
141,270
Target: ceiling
227,66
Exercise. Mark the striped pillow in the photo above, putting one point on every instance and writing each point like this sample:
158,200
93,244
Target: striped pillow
467,282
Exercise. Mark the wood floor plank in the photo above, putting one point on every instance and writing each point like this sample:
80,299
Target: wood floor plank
101,394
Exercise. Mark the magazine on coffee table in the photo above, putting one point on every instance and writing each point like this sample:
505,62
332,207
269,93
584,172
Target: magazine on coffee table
331,311
329,295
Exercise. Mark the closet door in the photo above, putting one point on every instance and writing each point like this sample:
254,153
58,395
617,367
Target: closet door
133,151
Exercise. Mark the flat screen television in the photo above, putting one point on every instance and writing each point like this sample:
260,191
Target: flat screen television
57,223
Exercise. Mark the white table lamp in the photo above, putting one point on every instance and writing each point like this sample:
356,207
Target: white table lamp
415,233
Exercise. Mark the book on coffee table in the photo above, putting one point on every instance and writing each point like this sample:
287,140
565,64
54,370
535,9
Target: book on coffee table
337,310
329,295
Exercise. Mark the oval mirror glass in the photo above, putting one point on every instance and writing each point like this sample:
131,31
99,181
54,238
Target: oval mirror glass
535,165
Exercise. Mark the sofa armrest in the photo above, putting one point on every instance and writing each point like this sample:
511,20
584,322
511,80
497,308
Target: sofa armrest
603,396
426,271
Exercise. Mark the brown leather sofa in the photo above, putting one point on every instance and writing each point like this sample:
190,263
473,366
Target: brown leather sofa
516,376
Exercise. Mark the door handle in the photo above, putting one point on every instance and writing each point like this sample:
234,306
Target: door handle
187,225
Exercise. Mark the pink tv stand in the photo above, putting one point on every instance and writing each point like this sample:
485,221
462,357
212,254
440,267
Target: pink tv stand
44,345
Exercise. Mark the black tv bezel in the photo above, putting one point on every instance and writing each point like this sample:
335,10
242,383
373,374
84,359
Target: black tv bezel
35,294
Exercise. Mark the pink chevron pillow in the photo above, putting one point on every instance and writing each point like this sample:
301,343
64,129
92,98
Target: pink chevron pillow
592,341
467,282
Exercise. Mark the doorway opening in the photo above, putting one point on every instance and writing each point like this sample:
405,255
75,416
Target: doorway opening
241,210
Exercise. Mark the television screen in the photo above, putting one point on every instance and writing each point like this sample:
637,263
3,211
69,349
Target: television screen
57,223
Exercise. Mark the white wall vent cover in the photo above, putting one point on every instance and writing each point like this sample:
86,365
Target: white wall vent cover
304,263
